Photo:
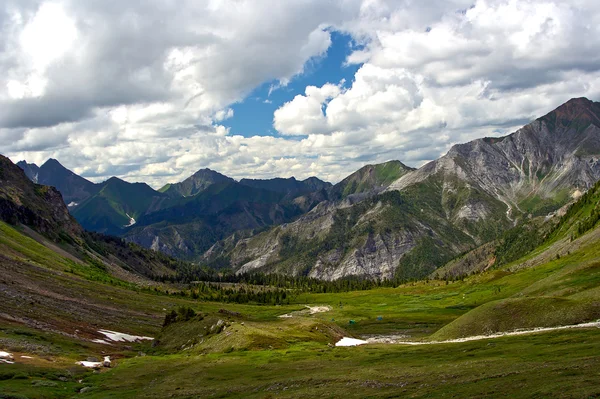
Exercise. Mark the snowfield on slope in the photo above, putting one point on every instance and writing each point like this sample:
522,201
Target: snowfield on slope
390,340
310,310
119,337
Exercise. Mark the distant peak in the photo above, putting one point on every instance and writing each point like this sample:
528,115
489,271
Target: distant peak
205,171
25,163
576,107
115,179
52,162
581,101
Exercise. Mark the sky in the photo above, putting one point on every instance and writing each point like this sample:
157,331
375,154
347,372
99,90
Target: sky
153,91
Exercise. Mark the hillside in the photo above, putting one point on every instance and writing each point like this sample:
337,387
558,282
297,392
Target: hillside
468,197
369,179
39,215
38,206
291,187
54,304
194,184
567,291
117,205
189,226
73,187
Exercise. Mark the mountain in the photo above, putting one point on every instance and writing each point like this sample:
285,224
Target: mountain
186,218
289,186
427,216
65,301
39,213
117,205
194,184
369,179
34,205
31,170
187,227
73,187
534,170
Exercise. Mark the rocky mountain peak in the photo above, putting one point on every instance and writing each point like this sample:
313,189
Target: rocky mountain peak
575,110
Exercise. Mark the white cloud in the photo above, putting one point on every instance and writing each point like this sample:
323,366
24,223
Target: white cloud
141,92
466,73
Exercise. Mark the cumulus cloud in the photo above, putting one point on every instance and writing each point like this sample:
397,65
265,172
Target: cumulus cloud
114,88
457,74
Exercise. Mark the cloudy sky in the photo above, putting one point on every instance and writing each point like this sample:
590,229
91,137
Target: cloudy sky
155,90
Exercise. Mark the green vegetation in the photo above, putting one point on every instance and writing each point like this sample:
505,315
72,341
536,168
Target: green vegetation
106,211
243,348
546,365
370,177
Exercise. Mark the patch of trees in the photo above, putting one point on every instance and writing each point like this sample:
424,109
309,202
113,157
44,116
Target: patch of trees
184,313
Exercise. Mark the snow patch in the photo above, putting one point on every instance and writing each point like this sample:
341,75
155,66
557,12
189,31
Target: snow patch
310,310
121,337
350,342
91,365
318,309
96,365
6,357
131,221
385,339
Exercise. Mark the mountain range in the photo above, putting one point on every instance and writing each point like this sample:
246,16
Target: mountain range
383,221
528,300
425,217
181,219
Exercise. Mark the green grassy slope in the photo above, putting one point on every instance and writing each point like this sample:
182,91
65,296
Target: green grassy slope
289,357
106,211
370,177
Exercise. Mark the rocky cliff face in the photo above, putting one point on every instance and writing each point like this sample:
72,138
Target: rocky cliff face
427,216
37,206
534,170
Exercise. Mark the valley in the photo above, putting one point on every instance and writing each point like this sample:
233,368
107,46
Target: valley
460,286
354,199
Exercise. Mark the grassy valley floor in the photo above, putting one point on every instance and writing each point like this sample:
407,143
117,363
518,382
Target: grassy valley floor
51,308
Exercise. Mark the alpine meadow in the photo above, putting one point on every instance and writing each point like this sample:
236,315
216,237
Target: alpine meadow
300,199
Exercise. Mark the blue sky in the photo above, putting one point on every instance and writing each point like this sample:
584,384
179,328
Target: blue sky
254,117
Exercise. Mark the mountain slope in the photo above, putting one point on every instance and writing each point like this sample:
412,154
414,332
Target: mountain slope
73,187
566,291
290,186
31,170
194,184
41,207
467,197
39,213
117,205
534,170
189,226
370,178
